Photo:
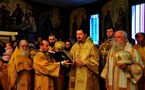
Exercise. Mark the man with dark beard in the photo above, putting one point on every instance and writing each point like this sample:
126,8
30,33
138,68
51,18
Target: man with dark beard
84,72
19,67
51,39
125,75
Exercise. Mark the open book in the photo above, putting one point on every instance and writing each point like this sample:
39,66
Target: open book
60,56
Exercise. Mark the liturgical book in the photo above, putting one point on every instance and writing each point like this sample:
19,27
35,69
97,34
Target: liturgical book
60,56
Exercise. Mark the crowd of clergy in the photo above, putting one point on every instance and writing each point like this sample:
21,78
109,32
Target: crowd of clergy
116,64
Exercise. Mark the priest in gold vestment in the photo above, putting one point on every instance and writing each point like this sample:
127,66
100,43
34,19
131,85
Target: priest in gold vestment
140,46
103,51
125,75
19,68
85,69
45,68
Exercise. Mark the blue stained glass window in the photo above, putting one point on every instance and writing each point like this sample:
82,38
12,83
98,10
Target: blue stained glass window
94,28
138,19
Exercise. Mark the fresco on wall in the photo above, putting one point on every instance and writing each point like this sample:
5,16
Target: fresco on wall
120,23
115,13
108,20
51,21
78,19
17,15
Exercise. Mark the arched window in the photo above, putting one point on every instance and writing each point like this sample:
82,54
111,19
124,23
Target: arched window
138,19
94,28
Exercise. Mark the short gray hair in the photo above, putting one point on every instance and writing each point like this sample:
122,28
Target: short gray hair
123,32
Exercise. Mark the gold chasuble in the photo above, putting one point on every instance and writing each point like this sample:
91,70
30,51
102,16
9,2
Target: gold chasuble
122,79
45,69
85,77
141,50
19,68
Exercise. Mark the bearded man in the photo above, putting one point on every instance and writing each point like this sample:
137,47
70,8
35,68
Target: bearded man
51,39
84,72
19,68
121,76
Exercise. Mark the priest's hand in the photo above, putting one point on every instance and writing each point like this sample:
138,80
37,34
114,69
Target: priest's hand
122,66
73,63
65,62
79,63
